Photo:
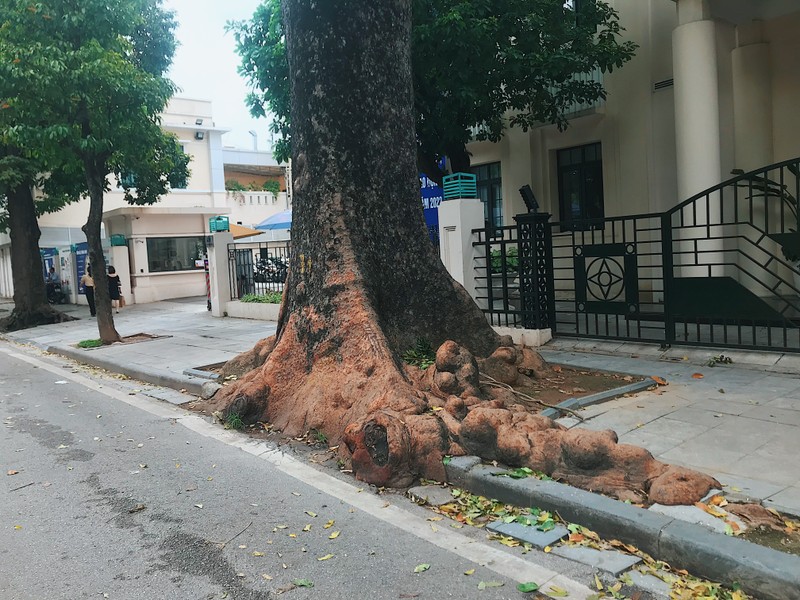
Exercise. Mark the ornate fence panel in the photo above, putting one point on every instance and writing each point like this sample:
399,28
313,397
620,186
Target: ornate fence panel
608,278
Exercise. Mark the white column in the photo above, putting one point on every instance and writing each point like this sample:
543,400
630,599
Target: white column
218,272
752,98
457,219
694,59
121,261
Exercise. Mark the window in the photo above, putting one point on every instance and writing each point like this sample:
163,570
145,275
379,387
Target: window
174,254
490,191
580,185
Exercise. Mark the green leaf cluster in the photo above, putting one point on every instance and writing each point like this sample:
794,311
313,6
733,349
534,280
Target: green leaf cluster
268,298
479,66
81,88
422,355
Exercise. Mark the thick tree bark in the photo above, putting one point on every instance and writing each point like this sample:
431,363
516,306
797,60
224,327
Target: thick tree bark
30,299
95,179
365,284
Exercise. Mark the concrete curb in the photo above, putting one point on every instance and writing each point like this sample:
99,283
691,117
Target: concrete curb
592,399
192,385
766,573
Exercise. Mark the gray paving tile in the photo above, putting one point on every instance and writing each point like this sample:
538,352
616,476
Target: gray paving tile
699,416
651,584
767,465
723,405
695,453
656,444
787,500
774,414
791,402
744,489
529,534
609,561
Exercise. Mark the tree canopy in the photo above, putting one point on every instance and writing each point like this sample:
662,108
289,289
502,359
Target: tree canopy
479,66
82,83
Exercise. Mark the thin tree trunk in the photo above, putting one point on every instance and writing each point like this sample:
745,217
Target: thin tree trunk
95,178
30,299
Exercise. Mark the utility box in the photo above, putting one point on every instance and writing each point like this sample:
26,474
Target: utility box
217,224
118,239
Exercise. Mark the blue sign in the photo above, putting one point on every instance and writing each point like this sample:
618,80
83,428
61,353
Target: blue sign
81,258
49,259
432,196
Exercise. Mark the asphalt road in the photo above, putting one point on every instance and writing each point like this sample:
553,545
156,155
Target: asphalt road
120,496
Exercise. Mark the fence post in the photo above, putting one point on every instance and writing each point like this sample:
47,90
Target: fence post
534,238
668,274
457,218
218,271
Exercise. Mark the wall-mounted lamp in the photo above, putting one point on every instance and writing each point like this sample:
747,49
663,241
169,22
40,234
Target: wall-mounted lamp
199,135
198,122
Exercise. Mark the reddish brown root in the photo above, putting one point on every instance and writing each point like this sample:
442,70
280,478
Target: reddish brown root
396,423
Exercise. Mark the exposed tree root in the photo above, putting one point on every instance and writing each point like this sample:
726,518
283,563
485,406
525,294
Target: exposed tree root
46,315
396,423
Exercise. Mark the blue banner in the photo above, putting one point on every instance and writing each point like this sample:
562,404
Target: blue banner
81,258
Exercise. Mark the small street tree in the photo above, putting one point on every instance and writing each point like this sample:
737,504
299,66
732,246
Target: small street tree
478,68
99,81
365,286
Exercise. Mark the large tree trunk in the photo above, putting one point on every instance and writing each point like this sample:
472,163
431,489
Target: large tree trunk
365,284
30,299
95,179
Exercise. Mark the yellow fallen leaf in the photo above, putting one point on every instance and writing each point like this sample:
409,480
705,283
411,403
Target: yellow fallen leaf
258,554
326,557
434,519
470,572
548,549
433,527
12,472
598,583
329,524
334,535
17,526
292,535
307,527
558,592
311,513
267,577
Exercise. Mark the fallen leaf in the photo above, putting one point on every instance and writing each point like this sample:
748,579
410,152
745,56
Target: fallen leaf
267,577
528,587
469,572
598,583
329,524
658,380
12,472
311,513
326,557
295,493
421,568
303,583
433,527
258,553
490,584
198,506
137,508
697,376
17,526
557,592
292,535
334,535
307,527
548,549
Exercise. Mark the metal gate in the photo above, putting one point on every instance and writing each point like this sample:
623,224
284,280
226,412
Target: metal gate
720,269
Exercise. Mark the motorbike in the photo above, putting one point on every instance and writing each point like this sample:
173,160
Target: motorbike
56,294
270,270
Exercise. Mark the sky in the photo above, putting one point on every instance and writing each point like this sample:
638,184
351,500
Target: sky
205,65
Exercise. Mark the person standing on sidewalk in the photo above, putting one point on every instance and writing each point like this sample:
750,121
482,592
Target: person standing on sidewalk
114,288
88,288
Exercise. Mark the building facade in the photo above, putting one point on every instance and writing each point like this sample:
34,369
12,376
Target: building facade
714,87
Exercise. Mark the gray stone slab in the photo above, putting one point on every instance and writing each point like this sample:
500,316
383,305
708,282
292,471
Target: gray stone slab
787,501
743,489
609,518
432,494
529,534
692,514
650,584
609,561
171,396
765,573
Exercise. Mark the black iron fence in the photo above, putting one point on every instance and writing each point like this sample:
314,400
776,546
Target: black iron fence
257,268
720,269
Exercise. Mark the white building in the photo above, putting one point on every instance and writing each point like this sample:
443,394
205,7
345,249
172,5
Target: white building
158,250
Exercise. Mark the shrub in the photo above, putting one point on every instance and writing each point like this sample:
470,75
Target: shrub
268,298
90,343
512,260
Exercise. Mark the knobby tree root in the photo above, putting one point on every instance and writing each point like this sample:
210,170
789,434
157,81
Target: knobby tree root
395,423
